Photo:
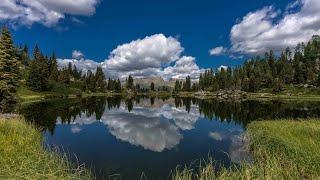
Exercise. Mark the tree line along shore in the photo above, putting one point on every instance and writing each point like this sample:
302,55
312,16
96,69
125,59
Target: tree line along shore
291,73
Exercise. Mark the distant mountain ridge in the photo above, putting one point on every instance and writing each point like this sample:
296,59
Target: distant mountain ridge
158,82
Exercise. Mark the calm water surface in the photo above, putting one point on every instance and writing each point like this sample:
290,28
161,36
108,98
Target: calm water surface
119,138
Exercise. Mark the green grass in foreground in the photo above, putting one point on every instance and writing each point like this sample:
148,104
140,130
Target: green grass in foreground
22,155
283,149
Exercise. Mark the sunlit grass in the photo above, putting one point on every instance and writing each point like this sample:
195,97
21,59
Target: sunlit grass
22,155
28,95
283,149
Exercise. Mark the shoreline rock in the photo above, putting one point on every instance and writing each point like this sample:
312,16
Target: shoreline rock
223,95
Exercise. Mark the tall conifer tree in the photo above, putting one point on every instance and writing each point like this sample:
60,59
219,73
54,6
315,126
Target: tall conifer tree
54,72
38,75
9,68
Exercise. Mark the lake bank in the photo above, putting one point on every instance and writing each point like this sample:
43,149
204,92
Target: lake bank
23,156
283,149
231,95
289,93
27,96
42,96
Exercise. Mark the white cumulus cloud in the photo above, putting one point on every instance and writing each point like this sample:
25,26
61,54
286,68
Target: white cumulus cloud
83,64
217,51
257,33
185,66
152,56
151,52
270,29
76,54
46,12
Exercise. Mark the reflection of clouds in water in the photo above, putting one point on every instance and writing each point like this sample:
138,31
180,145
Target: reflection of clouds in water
75,129
59,120
151,128
238,149
78,121
226,134
155,129
216,136
83,119
151,133
181,117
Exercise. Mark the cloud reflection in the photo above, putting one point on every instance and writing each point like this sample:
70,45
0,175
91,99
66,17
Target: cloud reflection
238,149
154,129
151,133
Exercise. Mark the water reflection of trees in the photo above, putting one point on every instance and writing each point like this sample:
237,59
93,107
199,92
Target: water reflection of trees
45,114
247,111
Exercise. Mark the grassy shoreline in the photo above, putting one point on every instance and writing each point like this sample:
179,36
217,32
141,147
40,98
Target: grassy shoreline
23,156
254,96
282,149
27,96
290,93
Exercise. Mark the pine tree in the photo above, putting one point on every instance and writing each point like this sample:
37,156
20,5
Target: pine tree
298,65
138,89
118,86
152,86
54,72
33,81
9,69
129,83
100,80
229,78
110,85
38,75
195,87
90,81
187,84
222,78
76,73
64,77
201,85
70,68
177,86
23,55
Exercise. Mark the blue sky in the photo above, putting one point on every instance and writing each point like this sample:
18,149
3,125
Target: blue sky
198,25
